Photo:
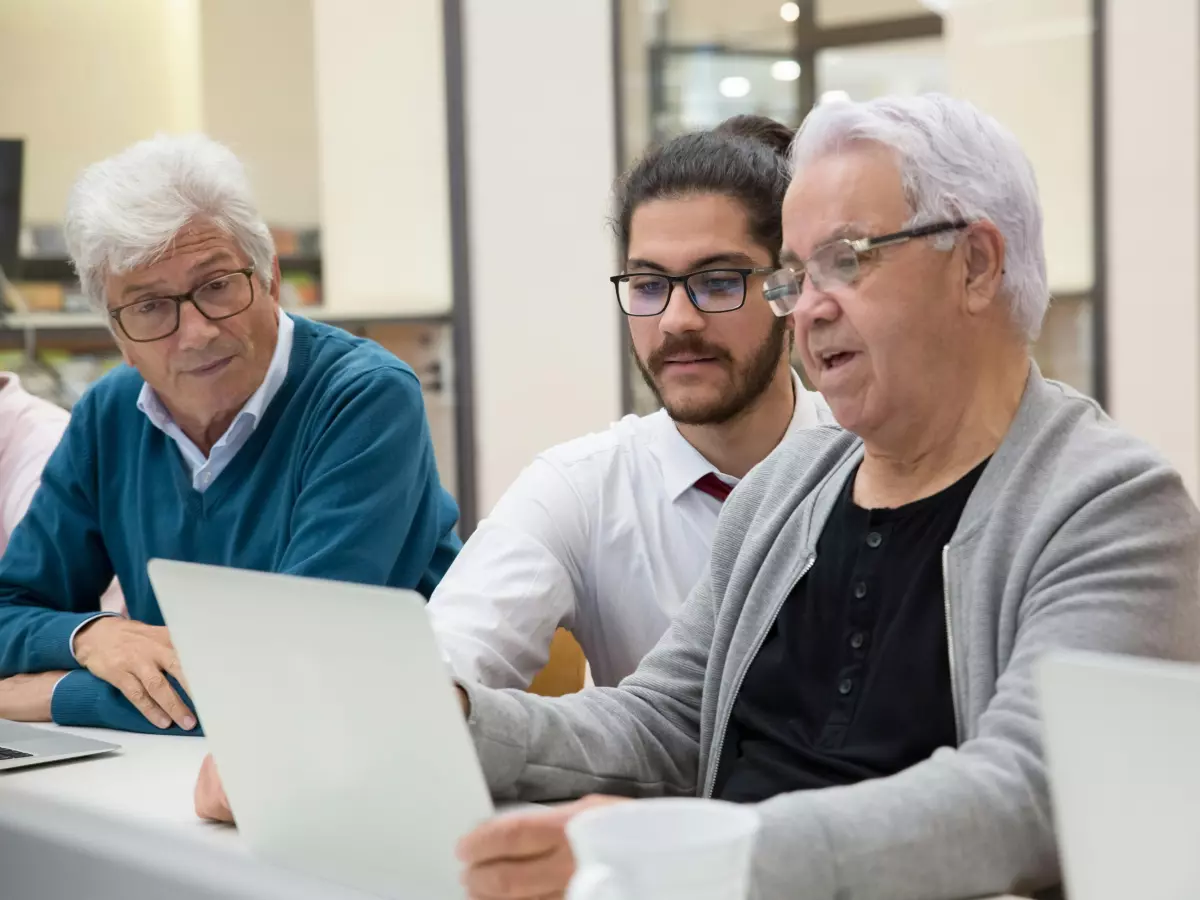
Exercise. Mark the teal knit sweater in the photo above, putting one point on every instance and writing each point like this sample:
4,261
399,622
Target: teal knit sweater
338,481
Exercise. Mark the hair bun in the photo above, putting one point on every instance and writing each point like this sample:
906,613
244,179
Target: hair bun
761,129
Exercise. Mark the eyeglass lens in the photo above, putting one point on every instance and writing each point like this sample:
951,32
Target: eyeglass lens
713,291
834,264
158,317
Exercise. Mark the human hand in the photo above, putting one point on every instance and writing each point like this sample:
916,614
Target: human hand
26,698
136,658
522,856
210,799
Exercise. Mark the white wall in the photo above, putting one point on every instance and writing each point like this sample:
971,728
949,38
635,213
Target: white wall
258,97
1152,128
381,125
1029,64
540,168
82,80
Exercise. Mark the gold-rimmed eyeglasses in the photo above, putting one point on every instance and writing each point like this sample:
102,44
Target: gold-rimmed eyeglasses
837,264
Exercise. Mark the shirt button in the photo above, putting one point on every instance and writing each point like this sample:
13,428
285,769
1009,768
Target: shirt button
874,539
206,478
860,590
857,640
845,687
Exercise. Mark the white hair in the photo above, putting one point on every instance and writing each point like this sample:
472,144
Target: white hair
955,162
125,211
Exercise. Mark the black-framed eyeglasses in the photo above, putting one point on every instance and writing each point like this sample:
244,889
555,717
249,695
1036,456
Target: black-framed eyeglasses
837,264
155,318
710,290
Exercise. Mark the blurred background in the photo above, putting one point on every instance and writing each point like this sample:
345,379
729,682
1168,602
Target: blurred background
437,174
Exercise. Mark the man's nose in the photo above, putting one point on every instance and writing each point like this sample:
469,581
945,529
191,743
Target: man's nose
680,315
815,305
195,331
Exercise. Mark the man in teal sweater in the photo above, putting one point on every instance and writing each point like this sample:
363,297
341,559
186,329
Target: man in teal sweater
236,435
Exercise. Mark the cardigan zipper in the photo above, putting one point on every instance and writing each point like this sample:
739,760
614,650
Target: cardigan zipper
715,761
950,641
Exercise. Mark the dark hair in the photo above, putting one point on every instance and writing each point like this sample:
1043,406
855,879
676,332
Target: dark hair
744,158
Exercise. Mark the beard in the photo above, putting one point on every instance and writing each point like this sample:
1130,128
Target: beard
748,380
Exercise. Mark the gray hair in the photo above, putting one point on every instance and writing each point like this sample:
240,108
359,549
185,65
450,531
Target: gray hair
956,162
125,211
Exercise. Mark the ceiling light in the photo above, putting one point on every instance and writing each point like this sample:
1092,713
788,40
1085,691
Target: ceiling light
785,70
789,12
734,86
835,97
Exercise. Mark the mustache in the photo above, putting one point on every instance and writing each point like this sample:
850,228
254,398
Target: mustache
200,358
689,343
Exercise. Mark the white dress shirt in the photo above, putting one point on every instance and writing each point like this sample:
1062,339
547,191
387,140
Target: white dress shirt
206,469
605,535
30,429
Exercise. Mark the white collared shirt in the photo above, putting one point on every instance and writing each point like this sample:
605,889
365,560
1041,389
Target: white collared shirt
206,469
605,535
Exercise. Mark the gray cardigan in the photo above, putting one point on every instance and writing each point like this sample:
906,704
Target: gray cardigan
1077,535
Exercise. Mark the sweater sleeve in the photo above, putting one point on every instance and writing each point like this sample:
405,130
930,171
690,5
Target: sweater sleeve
56,566
85,701
371,508
640,739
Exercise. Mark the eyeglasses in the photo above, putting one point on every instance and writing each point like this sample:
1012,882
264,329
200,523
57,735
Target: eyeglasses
155,318
837,264
710,290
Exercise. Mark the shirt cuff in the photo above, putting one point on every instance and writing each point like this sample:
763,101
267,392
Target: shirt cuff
85,622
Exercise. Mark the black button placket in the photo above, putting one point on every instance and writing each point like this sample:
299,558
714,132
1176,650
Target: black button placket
856,639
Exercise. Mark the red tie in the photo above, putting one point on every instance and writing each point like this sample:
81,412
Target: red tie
714,486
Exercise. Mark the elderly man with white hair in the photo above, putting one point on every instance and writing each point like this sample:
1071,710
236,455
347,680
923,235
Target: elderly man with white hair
236,435
858,661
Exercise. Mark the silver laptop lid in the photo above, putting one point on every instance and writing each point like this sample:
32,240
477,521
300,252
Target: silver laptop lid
334,724
1123,743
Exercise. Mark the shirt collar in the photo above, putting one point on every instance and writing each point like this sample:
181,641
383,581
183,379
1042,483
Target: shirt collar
683,465
276,371
150,404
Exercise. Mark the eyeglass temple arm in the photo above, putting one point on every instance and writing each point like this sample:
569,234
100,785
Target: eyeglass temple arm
864,244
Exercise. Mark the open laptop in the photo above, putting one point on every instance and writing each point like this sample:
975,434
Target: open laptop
1123,743
28,745
334,724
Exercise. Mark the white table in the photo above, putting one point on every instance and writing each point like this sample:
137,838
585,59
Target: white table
123,826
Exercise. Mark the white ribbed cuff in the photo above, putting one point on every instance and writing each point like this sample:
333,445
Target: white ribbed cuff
84,623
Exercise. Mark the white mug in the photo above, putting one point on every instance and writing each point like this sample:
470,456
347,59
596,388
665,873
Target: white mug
669,849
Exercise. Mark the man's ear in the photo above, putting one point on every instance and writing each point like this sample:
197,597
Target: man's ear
276,278
984,249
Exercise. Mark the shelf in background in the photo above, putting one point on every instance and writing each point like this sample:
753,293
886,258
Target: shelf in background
54,321
59,268
87,330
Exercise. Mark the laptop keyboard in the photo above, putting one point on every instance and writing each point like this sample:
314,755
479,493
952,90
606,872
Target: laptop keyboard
5,753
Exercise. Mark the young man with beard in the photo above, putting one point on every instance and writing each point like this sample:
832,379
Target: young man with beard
607,534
